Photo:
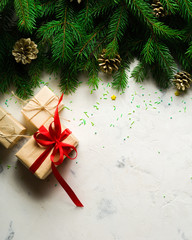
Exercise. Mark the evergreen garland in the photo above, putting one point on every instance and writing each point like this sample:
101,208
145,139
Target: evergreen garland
71,36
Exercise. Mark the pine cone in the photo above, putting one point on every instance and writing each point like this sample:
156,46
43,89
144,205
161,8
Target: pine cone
109,65
182,80
158,9
25,50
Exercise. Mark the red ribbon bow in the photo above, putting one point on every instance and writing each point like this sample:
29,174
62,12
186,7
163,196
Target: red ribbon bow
53,139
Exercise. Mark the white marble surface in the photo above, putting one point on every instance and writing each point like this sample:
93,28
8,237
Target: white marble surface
133,172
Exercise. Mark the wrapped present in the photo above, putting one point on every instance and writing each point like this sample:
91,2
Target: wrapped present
31,151
47,149
10,129
41,107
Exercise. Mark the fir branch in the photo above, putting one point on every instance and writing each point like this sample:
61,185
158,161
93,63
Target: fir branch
120,77
103,7
68,80
117,27
164,58
185,9
118,24
26,12
23,89
85,16
63,32
189,51
171,6
140,72
94,79
183,60
89,42
148,51
141,9
48,8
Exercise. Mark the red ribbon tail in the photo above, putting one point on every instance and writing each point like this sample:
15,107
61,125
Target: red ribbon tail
40,160
66,187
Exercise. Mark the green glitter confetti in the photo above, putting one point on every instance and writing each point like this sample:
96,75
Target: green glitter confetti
138,106
92,124
98,103
95,106
184,109
67,108
8,166
114,108
86,114
129,113
170,117
132,122
84,121
171,99
104,98
56,185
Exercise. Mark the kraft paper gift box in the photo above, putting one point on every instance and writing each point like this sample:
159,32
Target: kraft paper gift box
31,151
9,129
41,107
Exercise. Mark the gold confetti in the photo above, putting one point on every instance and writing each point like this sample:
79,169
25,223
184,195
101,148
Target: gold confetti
113,97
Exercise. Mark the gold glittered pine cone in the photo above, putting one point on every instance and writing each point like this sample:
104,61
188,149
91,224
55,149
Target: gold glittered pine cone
25,50
182,80
109,65
158,9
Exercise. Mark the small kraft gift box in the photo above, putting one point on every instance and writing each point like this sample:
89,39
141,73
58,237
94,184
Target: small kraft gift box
41,107
10,129
30,152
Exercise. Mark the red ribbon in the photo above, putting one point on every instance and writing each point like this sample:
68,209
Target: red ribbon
53,139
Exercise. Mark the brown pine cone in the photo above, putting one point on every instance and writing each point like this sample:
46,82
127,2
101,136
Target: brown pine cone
25,50
109,65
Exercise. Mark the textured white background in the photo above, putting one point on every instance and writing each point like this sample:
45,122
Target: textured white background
133,172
